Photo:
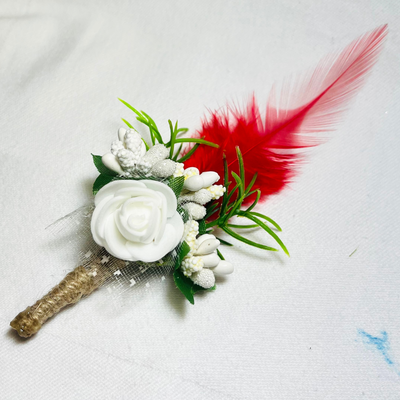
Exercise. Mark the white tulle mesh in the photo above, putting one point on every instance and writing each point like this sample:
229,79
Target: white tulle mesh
119,277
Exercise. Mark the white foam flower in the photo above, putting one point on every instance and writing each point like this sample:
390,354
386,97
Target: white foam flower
137,220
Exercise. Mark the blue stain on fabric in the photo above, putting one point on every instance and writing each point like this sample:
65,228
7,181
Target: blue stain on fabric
382,345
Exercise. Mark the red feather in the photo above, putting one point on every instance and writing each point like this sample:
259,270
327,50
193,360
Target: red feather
304,110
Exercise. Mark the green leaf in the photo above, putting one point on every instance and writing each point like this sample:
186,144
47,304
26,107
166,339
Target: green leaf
176,155
130,107
211,209
241,165
183,251
242,226
146,120
187,286
193,140
257,214
268,230
176,184
150,119
247,241
101,167
128,124
251,184
184,284
220,255
181,131
189,153
147,146
258,191
171,142
227,200
202,227
239,182
101,181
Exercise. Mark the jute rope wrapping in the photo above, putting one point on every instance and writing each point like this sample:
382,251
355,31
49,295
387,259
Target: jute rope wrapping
80,282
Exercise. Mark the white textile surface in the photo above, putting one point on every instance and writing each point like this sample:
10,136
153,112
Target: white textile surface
322,324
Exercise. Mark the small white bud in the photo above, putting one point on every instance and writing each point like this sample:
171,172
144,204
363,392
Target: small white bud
111,162
209,177
121,134
196,211
211,260
204,278
193,183
206,244
223,268
157,153
163,169
191,171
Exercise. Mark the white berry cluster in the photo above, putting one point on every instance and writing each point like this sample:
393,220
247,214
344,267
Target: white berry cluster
128,157
202,263
199,189
190,232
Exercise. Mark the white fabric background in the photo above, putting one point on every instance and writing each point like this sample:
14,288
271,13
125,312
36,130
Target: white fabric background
278,328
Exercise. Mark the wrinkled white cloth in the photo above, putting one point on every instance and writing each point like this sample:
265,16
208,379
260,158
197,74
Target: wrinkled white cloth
278,328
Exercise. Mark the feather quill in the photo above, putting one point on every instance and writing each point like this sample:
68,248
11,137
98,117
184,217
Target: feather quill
295,117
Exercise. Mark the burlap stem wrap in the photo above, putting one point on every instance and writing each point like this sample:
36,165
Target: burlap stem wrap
80,282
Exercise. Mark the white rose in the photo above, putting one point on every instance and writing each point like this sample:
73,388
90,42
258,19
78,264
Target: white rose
136,220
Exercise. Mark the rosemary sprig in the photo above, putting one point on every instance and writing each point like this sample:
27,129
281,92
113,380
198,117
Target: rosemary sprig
175,134
231,205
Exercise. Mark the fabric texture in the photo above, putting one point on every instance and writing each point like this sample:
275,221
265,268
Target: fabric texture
322,324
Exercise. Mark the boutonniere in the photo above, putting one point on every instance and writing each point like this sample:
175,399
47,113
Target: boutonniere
161,201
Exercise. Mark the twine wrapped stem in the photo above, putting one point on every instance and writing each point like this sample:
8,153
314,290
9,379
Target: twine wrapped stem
80,282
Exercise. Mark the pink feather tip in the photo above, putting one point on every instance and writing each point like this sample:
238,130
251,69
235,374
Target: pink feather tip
313,105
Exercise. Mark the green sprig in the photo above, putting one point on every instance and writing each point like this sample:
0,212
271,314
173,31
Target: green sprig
231,206
175,133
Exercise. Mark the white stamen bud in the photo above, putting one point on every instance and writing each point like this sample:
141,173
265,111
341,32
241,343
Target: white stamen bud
179,168
111,162
191,265
121,134
211,260
163,169
196,211
116,146
192,171
216,191
157,153
204,278
206,244
209,177
223,268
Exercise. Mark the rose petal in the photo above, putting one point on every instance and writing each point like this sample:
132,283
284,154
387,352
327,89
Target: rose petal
167,192
152,251
101,214
132,208
112,187
115,243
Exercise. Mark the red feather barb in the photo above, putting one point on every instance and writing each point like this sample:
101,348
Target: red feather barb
270,145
